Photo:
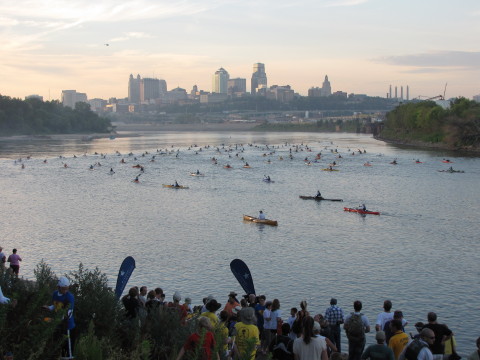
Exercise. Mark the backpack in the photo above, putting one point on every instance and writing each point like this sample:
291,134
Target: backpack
413,349
355,328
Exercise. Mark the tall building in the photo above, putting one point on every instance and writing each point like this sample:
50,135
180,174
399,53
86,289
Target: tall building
146,89
134,89
71,97
259,78
220,81
326,88
237,85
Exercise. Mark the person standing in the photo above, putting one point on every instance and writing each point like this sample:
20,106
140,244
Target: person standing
309,346
203,341
441,331
379,351
419,349
3,259
399,339
356,325
63,299
247,337
334,316
14,260
232,303
384,316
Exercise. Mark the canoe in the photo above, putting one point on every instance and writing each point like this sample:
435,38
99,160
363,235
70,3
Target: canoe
227,167
361,211
268,181
247,166
447,161
452,171
174,187
258,221
195,174
317,198
330,170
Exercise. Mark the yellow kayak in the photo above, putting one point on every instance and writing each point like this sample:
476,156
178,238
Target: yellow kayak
258,221
175,187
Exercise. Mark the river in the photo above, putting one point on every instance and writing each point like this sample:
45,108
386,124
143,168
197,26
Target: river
422,252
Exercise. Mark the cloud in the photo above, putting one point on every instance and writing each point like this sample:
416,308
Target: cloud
131,35
436,59
338,3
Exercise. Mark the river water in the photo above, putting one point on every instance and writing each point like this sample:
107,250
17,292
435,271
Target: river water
422,252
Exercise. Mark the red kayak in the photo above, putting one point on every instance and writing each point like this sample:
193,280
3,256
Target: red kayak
360,211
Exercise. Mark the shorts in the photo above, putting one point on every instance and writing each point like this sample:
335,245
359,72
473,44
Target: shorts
15,268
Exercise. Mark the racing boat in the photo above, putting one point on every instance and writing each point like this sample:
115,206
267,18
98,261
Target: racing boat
360,211
317,198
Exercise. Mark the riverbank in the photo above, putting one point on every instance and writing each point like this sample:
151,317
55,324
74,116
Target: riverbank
428,145
159,127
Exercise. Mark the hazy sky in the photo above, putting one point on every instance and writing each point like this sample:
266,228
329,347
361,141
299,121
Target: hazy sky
362,45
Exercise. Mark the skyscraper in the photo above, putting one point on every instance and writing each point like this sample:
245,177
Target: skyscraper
220,81
259,78
237,85
134,89
326,88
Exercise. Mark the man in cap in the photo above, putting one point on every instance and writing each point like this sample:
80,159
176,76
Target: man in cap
231,303
379,351
63,299
334,316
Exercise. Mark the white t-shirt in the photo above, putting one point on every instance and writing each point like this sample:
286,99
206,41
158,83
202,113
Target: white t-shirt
3,299
272,323
383,317
311,351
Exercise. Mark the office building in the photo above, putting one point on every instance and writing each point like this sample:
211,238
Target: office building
220,81
259,78
237,86
71,97
134,89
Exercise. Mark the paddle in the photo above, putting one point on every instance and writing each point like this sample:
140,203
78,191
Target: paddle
242,274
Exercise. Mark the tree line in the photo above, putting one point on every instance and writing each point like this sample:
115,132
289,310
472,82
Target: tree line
33,116
425,121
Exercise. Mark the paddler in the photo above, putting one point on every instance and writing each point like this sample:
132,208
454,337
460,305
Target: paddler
261,215
319,195
176,184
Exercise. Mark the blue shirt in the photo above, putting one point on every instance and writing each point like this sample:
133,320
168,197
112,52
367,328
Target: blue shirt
65,301
334,315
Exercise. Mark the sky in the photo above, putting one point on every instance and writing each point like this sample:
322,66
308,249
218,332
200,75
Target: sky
364,46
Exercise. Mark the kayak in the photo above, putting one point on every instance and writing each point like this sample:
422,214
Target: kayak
317,198
247,166
195,174
175,187
452,171
360,211
227,167
258,221
330,170
268,181
447,161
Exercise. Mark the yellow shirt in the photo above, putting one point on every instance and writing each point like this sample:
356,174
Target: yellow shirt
397,343
213,318
246,337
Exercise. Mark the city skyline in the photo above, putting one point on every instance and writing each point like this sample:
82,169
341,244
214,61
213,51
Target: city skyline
363,45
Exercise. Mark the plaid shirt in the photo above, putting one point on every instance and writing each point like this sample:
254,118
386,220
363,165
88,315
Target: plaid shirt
334,315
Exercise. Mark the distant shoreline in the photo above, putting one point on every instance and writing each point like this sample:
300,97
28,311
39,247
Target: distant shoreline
137,130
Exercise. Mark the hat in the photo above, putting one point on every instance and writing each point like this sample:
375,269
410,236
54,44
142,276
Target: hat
247,316
232,294
236,309
188,300
316,326
380,335
63,282
210,297
177,296
213,305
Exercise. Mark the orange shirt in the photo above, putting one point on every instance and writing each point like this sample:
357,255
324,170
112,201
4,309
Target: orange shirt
229,307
